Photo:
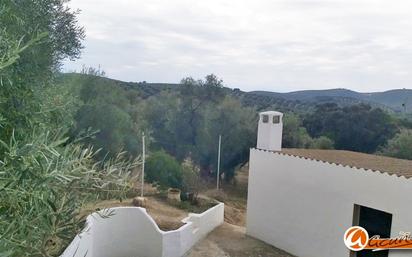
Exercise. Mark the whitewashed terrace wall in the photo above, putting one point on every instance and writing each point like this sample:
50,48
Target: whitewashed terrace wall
304,206
131,232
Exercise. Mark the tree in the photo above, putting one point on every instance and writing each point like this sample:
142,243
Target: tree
159,116
358,127
195,95
237,125
35,36
111,111
44,178
187,124
44,181
400,146
114,129
294,135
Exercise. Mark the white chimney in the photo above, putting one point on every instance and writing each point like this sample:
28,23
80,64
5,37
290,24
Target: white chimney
270,131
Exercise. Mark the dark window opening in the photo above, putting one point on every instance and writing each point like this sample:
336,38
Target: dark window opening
276,119
265,118
376,222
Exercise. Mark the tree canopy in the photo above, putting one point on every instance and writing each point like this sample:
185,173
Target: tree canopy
357,127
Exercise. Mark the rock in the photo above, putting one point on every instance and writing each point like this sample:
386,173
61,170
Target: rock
139,202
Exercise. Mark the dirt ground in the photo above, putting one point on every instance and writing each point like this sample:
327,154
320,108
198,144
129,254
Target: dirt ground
235,197
230,241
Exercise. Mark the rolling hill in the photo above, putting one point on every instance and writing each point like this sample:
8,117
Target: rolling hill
397,100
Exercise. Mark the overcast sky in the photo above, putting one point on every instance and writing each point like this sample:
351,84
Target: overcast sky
276,45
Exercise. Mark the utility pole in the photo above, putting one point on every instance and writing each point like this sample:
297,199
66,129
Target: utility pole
218,163
143,160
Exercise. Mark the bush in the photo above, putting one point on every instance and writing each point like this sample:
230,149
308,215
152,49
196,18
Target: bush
322,143
164,170
192,181
400,146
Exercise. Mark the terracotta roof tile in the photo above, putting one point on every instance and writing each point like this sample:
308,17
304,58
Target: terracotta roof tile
390,165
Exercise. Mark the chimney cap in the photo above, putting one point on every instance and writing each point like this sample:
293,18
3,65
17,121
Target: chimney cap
271,113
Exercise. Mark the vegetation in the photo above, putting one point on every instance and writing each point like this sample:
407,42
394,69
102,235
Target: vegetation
43,186
192,181
186,119
322,142
34,38
163,169
184,122
44,177
399,146
108,111
358,127
294,134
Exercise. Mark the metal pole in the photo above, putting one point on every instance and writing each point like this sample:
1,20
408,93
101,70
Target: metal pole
218,163
143,160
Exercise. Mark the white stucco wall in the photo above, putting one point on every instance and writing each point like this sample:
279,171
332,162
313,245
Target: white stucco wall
269,136
127,232
304,206
131,232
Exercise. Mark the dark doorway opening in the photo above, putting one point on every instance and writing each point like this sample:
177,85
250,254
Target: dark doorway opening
376,222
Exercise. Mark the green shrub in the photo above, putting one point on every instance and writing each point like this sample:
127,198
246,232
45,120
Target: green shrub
163,169
322,143
400,146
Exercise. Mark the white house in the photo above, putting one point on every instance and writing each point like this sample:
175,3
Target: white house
303,200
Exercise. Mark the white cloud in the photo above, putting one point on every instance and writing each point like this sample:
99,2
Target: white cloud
278,45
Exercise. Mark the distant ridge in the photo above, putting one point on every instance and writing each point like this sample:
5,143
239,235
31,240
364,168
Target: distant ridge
397,100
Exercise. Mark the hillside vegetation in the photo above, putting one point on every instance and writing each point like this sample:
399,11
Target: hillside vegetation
185,119
397,100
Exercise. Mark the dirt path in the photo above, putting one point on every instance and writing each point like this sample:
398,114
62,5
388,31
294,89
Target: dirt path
230,241
235,198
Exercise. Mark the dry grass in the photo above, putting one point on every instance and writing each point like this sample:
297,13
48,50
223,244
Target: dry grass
167,217
234,196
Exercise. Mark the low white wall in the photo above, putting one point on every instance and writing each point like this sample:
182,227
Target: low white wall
124,234
304,206
130,231
205,222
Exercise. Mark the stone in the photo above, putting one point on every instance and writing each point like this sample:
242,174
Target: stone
139,201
